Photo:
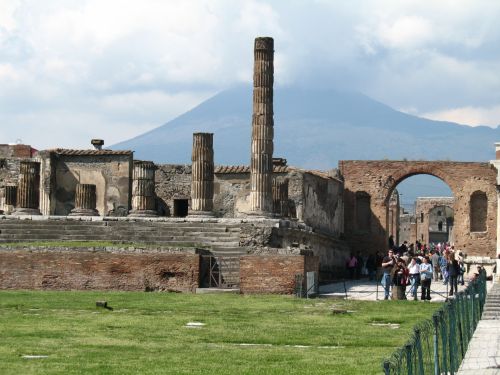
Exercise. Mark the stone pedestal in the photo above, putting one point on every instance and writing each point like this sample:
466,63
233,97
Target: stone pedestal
28,189
202,183
85,201
280,197
143,190
10,198
261,164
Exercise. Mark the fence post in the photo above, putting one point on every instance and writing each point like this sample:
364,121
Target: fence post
467,315
420,359
472,303
452,338
409,361
387,368
436,345
460,322
444,335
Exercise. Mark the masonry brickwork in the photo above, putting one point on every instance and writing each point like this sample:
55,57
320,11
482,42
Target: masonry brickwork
274,273
91,270
426,216
379,178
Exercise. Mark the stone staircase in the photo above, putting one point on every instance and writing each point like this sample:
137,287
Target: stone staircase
219,239
183,234
492,306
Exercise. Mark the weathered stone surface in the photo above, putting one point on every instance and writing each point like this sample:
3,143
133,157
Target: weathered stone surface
274,273
202,183
261,164
379,178
85,201
143,189
28,189
425,221
84,270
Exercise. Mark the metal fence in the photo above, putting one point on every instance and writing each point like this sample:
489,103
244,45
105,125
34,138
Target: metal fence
438,345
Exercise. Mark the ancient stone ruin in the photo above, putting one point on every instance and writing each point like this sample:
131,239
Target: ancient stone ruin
259,228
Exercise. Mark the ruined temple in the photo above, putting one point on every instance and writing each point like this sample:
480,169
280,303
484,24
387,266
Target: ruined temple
262,227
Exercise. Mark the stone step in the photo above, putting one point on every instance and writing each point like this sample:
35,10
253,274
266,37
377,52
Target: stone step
88,225
102,231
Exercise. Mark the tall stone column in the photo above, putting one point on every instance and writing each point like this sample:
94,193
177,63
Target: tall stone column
143,189
10,198
261,164
85,201
202,183
28,189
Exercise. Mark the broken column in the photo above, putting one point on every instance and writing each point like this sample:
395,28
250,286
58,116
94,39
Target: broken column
280,197
261,164
10,198
85,201
28,189
202,183
143,189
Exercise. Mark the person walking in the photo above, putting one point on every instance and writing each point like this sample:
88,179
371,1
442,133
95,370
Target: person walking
435,264
414,271
453,269
388,264
425,279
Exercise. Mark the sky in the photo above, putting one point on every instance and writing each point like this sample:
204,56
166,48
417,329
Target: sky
73,70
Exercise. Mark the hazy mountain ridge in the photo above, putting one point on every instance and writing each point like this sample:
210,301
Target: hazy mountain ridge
314,129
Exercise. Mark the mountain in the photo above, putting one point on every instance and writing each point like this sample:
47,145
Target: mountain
314,129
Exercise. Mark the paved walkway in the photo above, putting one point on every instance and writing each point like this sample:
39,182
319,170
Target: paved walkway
372,291
483,353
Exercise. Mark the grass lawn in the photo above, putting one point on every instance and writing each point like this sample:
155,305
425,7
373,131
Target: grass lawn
146,333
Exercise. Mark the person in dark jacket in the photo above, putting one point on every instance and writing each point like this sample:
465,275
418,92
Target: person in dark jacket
453,269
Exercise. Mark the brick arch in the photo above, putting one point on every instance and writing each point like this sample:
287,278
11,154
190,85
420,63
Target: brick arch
401,175
379,178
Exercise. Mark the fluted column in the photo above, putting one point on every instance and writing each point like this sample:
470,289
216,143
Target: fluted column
202,183
261,164
280,197
10,198
143,189
85,201
28,189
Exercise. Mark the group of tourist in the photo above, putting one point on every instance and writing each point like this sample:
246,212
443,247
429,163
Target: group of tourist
418,266
412,266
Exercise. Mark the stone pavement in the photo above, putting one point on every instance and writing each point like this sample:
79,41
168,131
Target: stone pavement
366,290
483,353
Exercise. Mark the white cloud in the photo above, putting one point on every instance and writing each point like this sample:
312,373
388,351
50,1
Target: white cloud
473,116
131,65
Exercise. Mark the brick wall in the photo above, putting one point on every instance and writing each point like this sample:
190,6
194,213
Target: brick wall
82,270
273,273
379,178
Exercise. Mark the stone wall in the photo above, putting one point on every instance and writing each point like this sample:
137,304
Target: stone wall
379,178
110,171
426,216
273,273
86,270
172,181
9,174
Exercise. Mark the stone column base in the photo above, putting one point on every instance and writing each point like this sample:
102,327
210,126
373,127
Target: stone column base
83,212
26,212
142,213
201,214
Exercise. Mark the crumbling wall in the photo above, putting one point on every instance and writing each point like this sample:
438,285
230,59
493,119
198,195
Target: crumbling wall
90,270
273,273
111,173
172,181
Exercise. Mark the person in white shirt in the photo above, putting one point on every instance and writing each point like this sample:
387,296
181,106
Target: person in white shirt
414,270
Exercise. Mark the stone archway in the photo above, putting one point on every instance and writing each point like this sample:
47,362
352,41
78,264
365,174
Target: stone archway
378,179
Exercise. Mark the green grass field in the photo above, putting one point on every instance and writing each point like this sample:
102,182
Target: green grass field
146,333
